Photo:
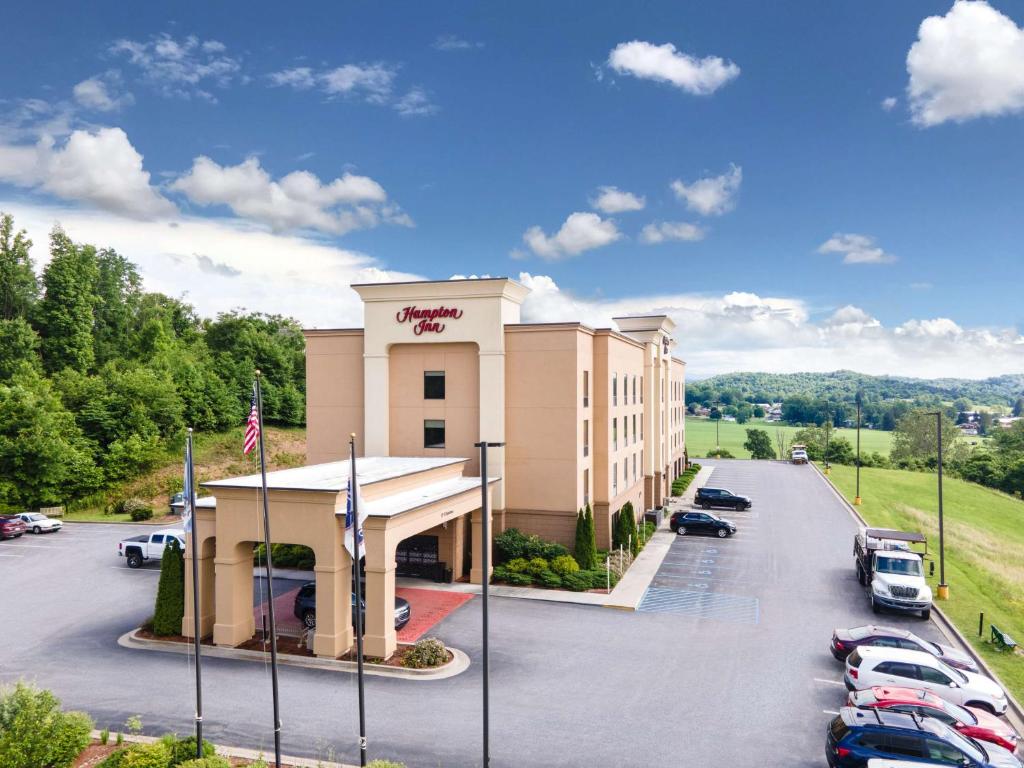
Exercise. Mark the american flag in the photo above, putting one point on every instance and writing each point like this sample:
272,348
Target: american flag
252,426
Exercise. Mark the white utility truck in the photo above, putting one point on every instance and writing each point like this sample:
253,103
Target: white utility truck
892,571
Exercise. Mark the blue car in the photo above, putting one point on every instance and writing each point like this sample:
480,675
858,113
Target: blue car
858,735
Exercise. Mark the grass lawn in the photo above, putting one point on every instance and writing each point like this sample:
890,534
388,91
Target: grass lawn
217,455
984,549
700,436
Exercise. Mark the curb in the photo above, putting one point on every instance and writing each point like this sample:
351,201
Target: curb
1015,713
245,754
458,664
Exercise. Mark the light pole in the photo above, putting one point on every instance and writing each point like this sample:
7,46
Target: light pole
485,562
943,586
828,432
717,405
860,400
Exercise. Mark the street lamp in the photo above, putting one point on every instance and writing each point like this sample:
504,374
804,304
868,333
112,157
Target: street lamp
860,401
485,560
828,432
943,587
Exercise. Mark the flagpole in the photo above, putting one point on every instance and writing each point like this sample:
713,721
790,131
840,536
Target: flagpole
357,576
196,631
270,579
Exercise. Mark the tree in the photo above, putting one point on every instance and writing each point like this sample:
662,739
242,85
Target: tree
64,316
118,292
35,733
1018,407
758,412
170,594
840,451
585,551
916,438
19,287
625,526
19,346
759,444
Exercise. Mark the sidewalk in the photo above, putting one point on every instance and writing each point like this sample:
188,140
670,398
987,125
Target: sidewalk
633,586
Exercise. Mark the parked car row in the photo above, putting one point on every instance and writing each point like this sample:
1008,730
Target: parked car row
13,526
686,523
914,700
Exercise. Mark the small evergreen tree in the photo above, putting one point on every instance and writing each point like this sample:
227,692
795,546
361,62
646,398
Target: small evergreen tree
170,595
588,513
579,550
625,527
585,550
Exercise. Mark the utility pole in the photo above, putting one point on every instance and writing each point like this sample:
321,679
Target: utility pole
860,400
943,590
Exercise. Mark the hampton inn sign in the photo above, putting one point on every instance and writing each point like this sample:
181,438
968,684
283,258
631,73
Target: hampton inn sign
424,320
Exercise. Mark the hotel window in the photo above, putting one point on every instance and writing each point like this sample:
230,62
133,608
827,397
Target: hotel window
615,434
586,388
625,472
586,438
625,430
634,429
433,433
615,389
586,487
634,467
641,390
433,385
634,390
641,429
615,479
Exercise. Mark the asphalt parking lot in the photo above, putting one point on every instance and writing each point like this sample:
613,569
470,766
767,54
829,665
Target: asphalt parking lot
726,665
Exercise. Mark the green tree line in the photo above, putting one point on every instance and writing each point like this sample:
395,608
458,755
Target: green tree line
98,377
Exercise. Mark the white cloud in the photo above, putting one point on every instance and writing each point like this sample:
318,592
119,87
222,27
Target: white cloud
454,43
615,200
180,68
966,64
711,196
374,83
580,232
220,265
665,64
659,232
415,102
743,331
889,103
99,168
298,200
856,249
97,93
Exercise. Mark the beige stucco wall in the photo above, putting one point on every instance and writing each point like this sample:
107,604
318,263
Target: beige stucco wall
334,393
460,409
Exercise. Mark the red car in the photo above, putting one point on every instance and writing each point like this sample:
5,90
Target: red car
976,723
11,527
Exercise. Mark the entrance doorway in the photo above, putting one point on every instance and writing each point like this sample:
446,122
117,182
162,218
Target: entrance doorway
418,556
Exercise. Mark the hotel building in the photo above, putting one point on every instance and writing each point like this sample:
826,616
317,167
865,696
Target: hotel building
587,416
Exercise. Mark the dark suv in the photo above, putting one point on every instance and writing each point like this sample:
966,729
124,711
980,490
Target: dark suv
305,607
684,523
719,497
858,735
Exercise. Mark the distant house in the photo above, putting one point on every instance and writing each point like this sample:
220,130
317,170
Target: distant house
700,410
728,418
968,417
773,412
968,429
1005,422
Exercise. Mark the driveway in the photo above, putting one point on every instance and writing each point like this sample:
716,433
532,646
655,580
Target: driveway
727,668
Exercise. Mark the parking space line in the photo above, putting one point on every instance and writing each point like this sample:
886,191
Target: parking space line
826,711
8,554
35,546
147,570
830,682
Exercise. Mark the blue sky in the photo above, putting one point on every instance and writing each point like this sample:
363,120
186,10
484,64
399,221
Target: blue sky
784,212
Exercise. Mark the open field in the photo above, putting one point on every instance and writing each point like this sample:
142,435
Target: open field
984,549
217,455
700,436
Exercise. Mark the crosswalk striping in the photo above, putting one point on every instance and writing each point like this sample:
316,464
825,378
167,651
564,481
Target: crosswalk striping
704,605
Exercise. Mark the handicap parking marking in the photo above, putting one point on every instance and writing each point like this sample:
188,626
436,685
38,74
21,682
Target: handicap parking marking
704,605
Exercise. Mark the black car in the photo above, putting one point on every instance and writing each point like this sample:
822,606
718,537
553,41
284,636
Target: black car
845,640
719,497
686,523
305,607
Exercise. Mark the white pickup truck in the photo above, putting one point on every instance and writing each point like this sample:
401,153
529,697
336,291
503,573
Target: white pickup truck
149,546
892,572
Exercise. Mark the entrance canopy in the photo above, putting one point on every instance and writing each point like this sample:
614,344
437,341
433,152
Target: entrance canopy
401,496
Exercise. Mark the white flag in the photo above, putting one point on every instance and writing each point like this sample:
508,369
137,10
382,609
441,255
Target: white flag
354,527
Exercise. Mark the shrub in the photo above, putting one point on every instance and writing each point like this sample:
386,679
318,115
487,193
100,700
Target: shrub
550,580
513,544
585,550
519,579
564,564
537,566
35,732
428,652
146,756
384,764
286,556
500,573
120,739
205,762
136,509
577,582
185,749
104,736
170,594
518,565
625,528
720,453
114,759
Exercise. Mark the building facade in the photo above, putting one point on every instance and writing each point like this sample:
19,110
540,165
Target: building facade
587,416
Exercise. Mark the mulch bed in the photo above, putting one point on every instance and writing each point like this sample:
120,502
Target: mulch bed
291,645
95,754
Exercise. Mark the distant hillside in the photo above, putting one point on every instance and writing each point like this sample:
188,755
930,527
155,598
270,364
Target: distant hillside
999,391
